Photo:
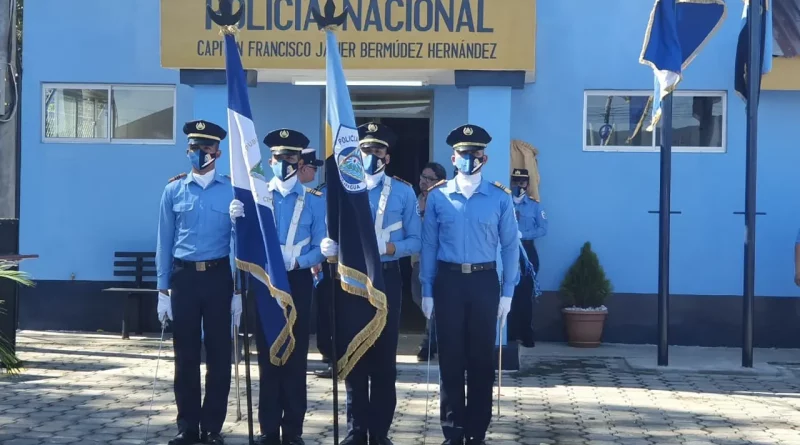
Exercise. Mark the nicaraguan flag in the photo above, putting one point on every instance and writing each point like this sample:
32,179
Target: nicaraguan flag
741,67
258,250
675,34
350,222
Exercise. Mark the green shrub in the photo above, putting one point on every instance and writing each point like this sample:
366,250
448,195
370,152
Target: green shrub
585,284
8,360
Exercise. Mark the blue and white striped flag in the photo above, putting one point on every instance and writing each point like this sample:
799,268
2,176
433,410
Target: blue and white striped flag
258,250
676,32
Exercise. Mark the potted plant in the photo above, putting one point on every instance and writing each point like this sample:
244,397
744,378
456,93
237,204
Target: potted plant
8,360
584,291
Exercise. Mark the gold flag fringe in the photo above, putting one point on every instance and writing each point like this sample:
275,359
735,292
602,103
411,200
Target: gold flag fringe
369,335
228,30
287,302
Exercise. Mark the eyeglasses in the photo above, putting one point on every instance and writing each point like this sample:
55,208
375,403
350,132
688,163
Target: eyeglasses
427,178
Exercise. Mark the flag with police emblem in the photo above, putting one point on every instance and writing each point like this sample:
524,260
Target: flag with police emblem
361,312
675,34
258,250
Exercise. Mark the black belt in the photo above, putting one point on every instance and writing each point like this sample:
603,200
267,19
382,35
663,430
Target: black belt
390,264
201,266
468,268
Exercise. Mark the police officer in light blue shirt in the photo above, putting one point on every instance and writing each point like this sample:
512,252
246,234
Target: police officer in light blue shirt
300,223
466,219
371,395
195,284
532,224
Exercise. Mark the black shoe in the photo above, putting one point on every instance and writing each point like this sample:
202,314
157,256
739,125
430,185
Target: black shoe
297,440
269,439
380,441
453,442
326,373
476,442
185,438
422,356
212,439
354,438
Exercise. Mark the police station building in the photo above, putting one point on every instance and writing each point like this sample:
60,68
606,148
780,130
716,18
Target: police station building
107,86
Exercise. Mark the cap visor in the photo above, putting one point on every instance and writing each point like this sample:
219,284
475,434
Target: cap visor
202,141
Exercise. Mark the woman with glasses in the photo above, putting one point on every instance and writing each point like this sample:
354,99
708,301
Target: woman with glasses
431,174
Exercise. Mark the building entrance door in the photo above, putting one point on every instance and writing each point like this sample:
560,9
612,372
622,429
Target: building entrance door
408,114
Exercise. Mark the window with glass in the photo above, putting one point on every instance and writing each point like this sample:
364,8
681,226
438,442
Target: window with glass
620,121
109,113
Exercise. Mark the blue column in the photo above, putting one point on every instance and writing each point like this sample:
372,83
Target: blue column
490,108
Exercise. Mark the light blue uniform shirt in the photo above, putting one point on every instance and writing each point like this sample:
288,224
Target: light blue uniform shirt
531,218
193,224
310,227
401,207
468,231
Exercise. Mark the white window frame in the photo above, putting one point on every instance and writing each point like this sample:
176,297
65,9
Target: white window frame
655,148
109,88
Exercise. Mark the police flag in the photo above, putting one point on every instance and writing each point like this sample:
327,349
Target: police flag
676,32
741,67
258,250
350,221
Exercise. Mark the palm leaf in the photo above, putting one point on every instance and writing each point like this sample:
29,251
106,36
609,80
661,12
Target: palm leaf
7,358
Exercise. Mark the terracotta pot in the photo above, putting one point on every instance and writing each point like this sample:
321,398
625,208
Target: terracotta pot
584,328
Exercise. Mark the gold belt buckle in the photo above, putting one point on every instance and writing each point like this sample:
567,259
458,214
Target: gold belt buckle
200,266
466,268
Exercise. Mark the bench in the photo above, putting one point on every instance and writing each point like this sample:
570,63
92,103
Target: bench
141,266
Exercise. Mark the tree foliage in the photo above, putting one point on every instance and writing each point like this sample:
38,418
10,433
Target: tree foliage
7,358
585,284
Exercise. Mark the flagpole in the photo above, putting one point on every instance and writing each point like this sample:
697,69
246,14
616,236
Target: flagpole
754,14
664,230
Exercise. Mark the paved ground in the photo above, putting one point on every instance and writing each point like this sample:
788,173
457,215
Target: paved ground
96,389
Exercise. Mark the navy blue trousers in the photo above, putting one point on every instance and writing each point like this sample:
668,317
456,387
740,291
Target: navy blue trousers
466,318
282,389
202,296
371,395
520,319
322,294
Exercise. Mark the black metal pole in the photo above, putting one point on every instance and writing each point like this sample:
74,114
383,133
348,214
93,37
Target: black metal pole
334,358
753,69
664,230
244,277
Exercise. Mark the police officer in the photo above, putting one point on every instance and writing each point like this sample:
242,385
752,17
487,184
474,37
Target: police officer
300,222
371,396
466,219
320,272
532,224
195,284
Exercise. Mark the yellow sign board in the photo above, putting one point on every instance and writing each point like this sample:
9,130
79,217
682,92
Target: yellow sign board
378,34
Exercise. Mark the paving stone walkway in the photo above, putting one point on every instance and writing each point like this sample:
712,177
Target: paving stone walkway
96,390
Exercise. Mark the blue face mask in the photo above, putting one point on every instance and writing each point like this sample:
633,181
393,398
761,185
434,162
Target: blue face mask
468,163
200,159
284,170
372,164
518,190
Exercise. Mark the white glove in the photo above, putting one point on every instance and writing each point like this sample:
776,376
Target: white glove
427,307
503,309
164,308
381,247
236,311
236,209
288,261
329,247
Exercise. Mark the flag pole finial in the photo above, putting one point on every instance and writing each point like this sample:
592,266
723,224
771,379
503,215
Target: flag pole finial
329,20
226,18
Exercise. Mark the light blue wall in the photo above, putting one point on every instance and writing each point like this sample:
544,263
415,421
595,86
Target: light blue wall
81,202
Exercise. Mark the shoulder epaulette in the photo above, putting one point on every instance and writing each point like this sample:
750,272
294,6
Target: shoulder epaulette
438,184
501,187
319,187
402,180
314,192
176,177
